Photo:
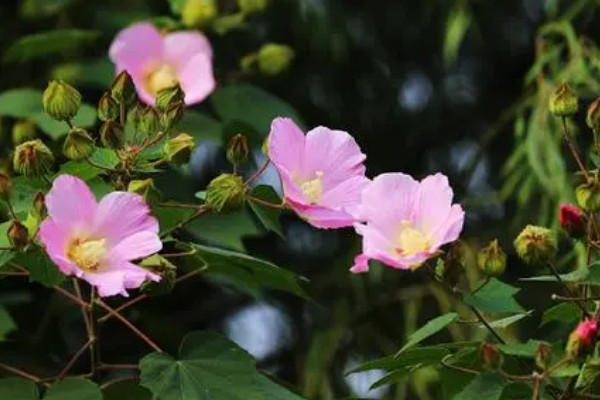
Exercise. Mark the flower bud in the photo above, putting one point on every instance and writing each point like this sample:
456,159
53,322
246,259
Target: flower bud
237,149
198,13
564,101
252,6
5,186
61,101
122,88
78,144
572,220
112,134
146,189
452,266
274,58
108,109
536,245
149,122
23,131
159,265
39,205
32,158
18,235
179,149
225,193
491,260
593,116
543,356
490,356
168,97
172,115
583,338
588,195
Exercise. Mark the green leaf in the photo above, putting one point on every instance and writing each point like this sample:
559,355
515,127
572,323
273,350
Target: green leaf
589,373
43,44
101,158
506,322
268,216
528,350
23,192
494,297
18,389
487,385
565,313
247,272
430,328
251,105
126,390
40,268
169,217
407,359
216,228
567,370
209,367
574,276
7,324
85,118
97,74
74,389
200,126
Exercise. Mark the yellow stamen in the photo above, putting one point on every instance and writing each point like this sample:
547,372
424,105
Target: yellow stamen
411,241
87,254
162,77
313,188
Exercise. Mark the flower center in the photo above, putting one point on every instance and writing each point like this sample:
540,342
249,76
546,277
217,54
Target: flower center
87,254
313,188
161,78
410,240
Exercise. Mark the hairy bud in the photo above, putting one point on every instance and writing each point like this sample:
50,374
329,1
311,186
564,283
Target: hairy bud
536,245
593,116
588,195
168,97
148,122
32,158
453,264
78,144
172,115
61,101
564,101
39,205
198,13
583,338
5,186
543,356
490,356
225,193
491,260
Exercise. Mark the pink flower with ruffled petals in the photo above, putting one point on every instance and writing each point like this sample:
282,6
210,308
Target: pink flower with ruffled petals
406,221
97,241
157,62
322,172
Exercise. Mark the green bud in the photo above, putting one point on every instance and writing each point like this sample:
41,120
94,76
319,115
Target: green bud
167,97
32,158
588,195
564,101
491,260
198,13
237,149
225,193
172,115
112,134
39,205
159,265
536,245
252,6
18,235
78,144
61,101
5,186
146,189
543,356
274,58
491,357
123,89
179,149
149,122
108,109
23,131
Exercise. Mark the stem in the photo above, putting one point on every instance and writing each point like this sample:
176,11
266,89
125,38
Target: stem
93,333
461,369
258,172
11,210
536,389
73,359
487,325
569,140
265,203
70,296
567,290
118,366
21,373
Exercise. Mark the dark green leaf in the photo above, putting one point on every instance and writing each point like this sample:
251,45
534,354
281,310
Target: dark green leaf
565,313
430,328
53,42
200,126
209,367
126,390
487,385
595,159
216,228
96,74
18,389
74,389
169,217
506,322
104,158
496,296
23,192
528,349
574,276
269,216
589,373
7,324
40,268
408,358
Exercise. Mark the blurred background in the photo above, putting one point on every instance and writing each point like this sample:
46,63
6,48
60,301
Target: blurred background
457,86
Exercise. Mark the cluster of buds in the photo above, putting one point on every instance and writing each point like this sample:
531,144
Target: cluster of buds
536,245
583,338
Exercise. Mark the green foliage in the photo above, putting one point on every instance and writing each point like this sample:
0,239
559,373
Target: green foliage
74,389
495,297
49,43
527,350
268,216
487,386
41,268
7,324
18,389
129,390
566,313
430,328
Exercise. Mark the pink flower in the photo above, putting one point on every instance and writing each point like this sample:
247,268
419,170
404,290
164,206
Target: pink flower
157,62
572,219
587,331
97,241
406,221
322,173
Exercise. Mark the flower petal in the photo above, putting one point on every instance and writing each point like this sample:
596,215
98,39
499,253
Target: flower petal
180,47
322,217
109,283
138,245
136,48
450,229
346,195
55,239
196,78
435,200
286,145
70,202
361,264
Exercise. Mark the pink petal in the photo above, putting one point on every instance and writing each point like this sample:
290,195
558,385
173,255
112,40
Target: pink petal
286,145
109,283
361,264
70,203
55,240
135,276
346,195
435,200
449,230
322,217
138,245
136,48
196,78
180,47
122,214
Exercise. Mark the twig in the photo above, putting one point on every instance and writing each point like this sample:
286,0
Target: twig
569,140
258,172
461,369
265,203
118,366
70,296
21,373
567,290
73,359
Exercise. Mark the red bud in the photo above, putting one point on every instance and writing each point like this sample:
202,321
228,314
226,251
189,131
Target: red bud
572,220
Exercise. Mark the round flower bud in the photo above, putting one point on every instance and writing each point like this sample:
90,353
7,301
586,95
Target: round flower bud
536,245
32,158
39,205
491,260
198,13
179,149
5,186
23,131
61,101
168,97
108,109
18,235
172,115
122,88
148,123
593,116
588,195
237,149
78,144
583,338
112,134
274,58
543,356
252,6
146,189
225,193
572,220
490,356
564,101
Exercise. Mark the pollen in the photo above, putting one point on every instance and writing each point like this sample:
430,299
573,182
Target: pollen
411,241
87,254
162,77
313,188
